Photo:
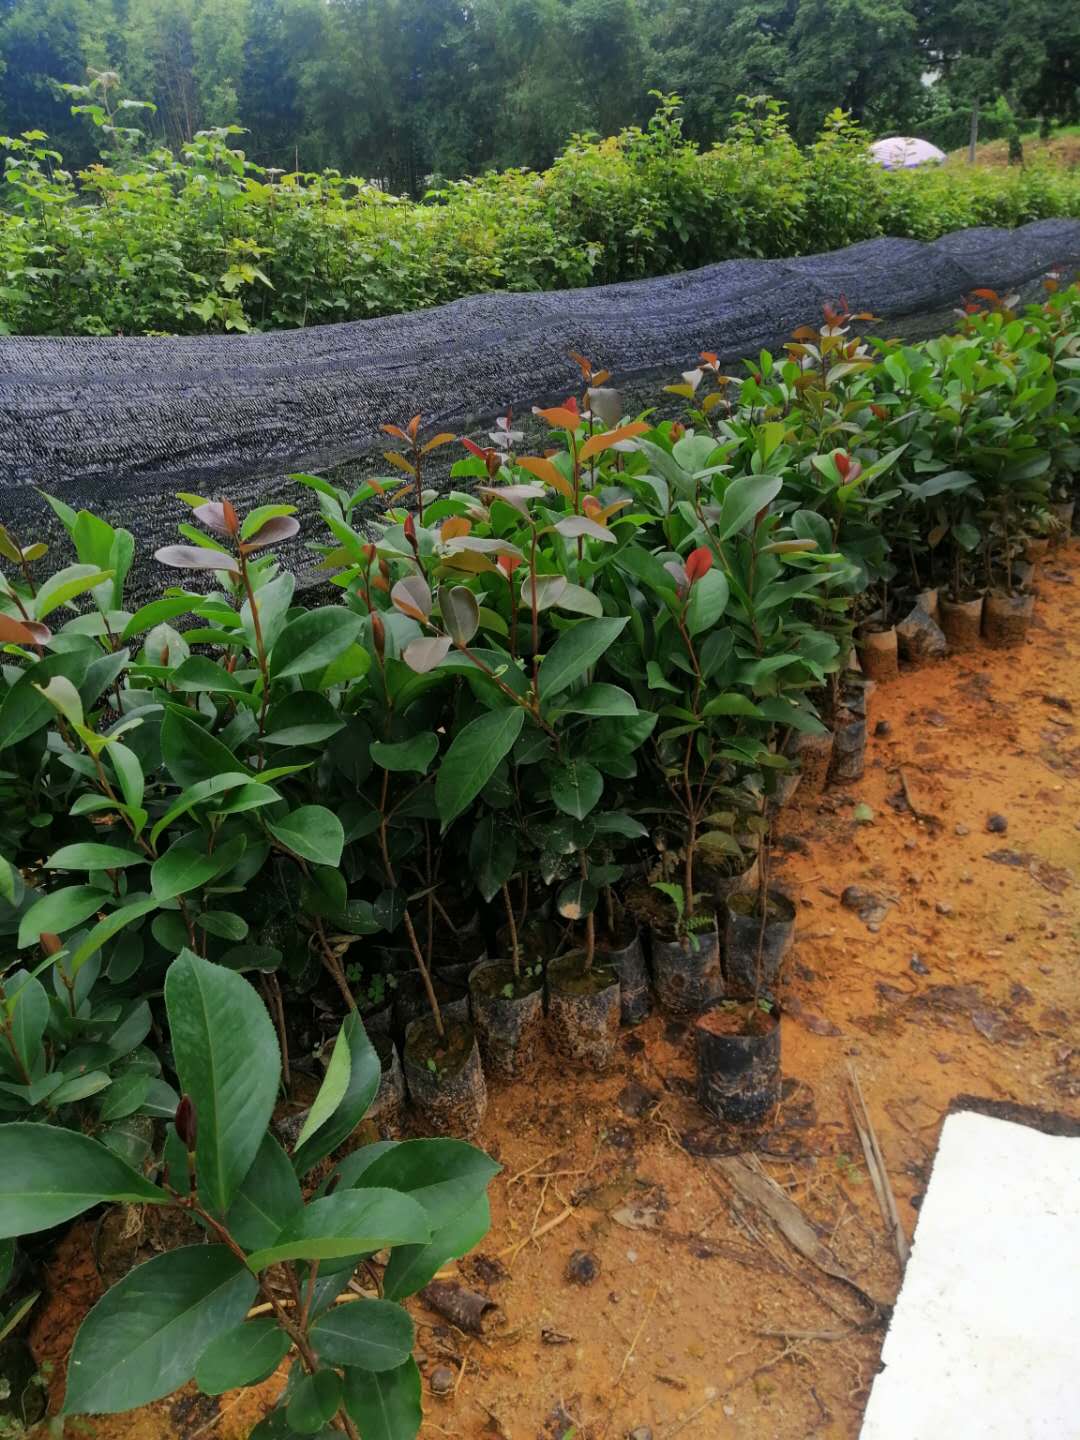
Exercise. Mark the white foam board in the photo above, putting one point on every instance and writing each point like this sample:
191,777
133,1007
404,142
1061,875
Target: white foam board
985,1337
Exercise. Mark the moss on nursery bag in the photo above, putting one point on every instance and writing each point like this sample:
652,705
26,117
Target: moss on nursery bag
566,689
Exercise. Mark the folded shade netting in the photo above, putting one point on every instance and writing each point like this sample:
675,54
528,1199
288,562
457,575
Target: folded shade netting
118,425
904,152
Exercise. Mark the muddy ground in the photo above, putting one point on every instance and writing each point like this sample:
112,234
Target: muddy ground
702,1320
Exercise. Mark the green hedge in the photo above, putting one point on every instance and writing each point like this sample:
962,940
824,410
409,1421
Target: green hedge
210,242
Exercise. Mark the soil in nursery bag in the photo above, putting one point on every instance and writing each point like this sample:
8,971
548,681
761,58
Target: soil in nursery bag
746,971
878,654
813,755
848,761
920,637
1006,619
509,1016
1064,511
388,1107
738,1062
444,1077
687,974
411,999
961,621
725,875
583,1011
624,953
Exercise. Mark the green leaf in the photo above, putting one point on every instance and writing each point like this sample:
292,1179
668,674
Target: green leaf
473,758
350,1222
445,1176
576,787
50,1175
415,753
331,1091
105,929
598,700
63,697
314,1402
365,1072
25,710
186,866
204,790
412,1266
242,1356
373,1335
273,600
228,1062
91,856
574,652
124,1096
197,674
60,911
492,856
192,754
156,612
129,772
80,1087
267,1199
313,832
386,1405
313,640
144,1338
743,498
708,601
58,589
732,704
28,1011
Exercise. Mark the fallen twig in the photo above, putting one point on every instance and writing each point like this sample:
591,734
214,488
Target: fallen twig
875,1164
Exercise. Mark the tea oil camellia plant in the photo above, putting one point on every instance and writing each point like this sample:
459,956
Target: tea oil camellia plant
270,1281
559,699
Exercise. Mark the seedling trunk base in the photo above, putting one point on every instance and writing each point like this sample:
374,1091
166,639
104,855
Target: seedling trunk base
1006,619
388,1107
962,622
508,1027
627,959
688,976
583,1011
445,1077
813,753
738,1063
878,654
747,975
411,1000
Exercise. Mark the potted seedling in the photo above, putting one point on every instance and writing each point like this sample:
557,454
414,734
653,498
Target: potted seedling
583,995
620,946
738,1040
507,990
685,953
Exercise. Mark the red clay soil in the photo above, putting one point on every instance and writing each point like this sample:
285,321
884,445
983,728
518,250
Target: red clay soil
702,1320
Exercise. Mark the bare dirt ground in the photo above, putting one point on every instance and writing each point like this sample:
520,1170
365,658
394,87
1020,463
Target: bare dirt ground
702,1320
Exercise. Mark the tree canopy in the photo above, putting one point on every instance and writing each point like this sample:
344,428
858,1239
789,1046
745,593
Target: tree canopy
403,90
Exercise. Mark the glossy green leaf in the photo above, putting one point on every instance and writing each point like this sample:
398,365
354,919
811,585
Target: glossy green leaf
473,757
187,865
50,1174
574,652
314,1401
313,832
365,1072
385,1405
268,1197
228,1062
91,856
374,1335
144,1338
576,787
707,603
445,1176
416,753
60,911
412,1266
242,1356
331,1091
349,1222
313,640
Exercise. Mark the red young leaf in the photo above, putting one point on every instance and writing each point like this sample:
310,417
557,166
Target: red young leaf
280,527
698,562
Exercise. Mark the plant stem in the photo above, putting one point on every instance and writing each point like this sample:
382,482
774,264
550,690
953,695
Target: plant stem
515,953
